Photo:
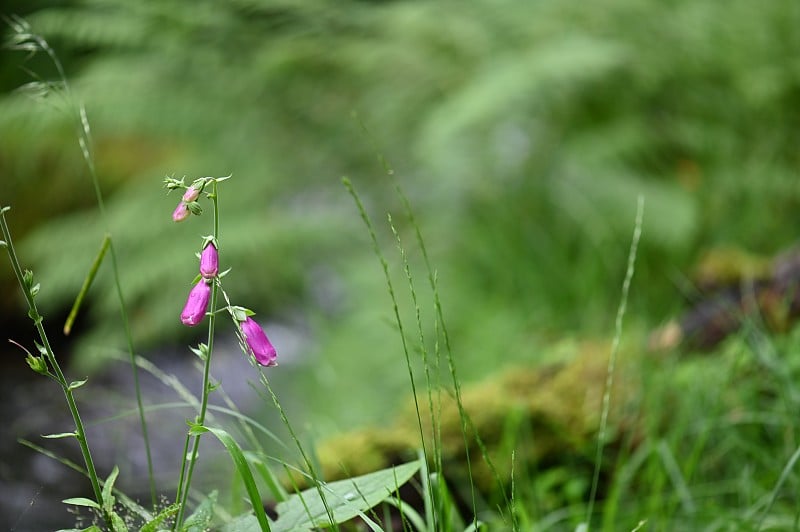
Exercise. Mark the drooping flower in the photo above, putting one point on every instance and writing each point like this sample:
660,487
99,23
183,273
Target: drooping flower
196,304
209,261
180,213
258,343
191,194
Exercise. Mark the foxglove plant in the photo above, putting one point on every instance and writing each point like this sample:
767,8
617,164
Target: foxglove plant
202,302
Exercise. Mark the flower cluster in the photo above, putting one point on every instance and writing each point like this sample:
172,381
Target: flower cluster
254,339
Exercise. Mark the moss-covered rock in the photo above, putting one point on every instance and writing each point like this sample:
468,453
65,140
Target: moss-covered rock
547,414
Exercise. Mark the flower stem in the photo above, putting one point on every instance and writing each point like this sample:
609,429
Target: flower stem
184,483
85,142
33,312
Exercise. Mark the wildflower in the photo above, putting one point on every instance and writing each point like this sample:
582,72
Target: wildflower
196,304
180,213
258,343
209,261
191,194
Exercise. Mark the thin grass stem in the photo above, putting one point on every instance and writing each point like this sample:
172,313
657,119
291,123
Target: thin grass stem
612,359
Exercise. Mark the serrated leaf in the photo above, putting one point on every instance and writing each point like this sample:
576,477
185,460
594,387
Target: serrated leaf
60,435
345,498
82,501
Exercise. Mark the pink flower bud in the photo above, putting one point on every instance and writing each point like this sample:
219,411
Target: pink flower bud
209,261
258,343
190,195
180,213
196,304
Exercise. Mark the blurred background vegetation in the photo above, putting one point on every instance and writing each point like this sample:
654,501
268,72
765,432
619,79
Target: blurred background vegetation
522,132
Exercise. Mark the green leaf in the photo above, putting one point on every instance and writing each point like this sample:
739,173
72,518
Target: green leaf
82,501
77,384
243,469
200,520
37,364
117,524
243,523
152,525
87,283
42,349
60,435
196,429
275,487
346,498
108,497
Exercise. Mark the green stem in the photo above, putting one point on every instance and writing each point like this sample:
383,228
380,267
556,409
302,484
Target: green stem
33,312
183,486
85,141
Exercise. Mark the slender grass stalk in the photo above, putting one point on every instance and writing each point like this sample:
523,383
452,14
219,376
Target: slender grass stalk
432,279
314,476
185,480
23,36
612,359
390,286
435,420
33,313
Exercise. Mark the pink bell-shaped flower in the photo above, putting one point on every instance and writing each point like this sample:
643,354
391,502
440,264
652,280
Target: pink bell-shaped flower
191,194
209,261
196,304
258,343
180,213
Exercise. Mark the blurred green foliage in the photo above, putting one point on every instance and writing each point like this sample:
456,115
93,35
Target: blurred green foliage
522,132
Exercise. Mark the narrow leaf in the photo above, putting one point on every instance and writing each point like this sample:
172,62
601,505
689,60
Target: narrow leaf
247,476
82,501
163,515
108,498
77,384
60,435
87,283
346,499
